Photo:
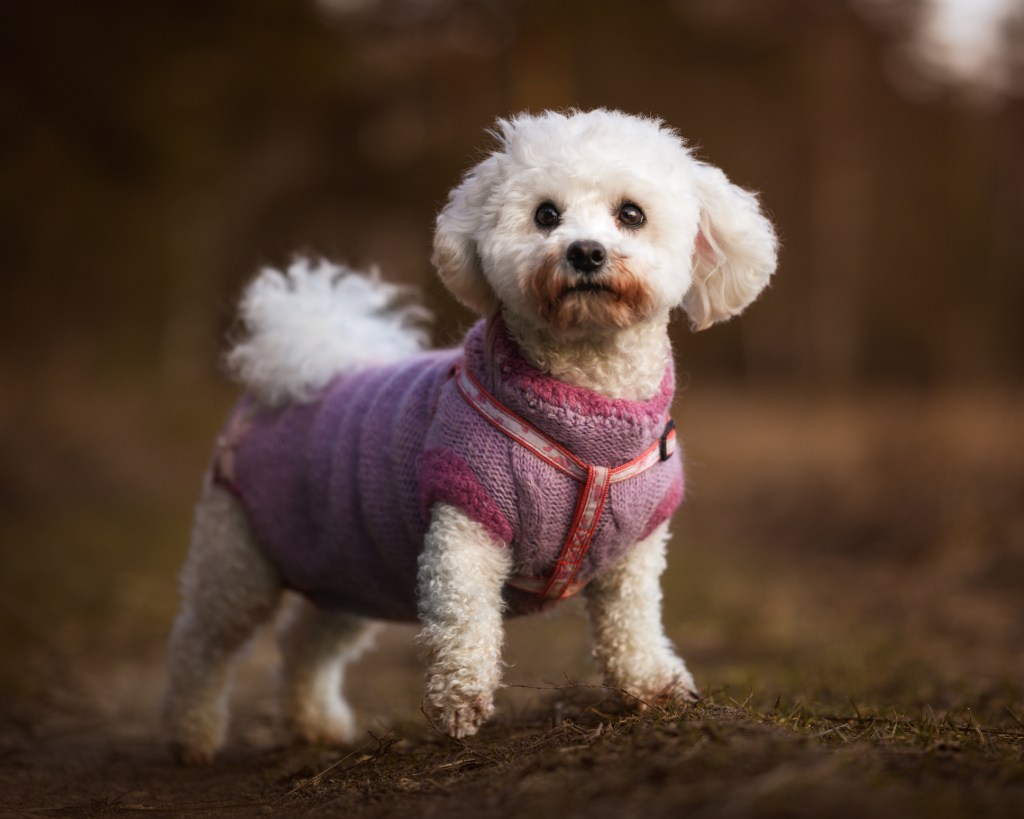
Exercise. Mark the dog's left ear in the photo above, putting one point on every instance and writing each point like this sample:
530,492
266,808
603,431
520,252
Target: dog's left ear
735,253
455,252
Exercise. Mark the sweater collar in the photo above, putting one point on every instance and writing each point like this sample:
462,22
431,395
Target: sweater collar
598,429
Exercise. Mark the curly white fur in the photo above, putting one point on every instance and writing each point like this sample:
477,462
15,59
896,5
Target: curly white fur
736,251
702,245
314,322
228,589
461,574
705,245
316,646
630,647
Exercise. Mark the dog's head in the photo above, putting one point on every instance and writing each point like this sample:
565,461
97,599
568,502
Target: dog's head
593,221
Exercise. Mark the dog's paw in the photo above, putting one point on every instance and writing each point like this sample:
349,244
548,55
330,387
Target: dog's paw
194,730
192,754
459,714
680,690
332,725
464,719
670,685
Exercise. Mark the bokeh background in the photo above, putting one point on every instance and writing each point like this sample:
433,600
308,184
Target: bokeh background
855,524
155,154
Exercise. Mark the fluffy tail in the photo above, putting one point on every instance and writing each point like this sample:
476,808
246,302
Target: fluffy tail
316,321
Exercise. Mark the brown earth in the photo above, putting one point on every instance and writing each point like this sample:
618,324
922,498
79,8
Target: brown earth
846,583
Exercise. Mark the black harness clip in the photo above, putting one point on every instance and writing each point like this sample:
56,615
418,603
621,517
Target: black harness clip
663,441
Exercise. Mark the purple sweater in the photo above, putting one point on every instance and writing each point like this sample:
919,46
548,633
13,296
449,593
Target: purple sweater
338,490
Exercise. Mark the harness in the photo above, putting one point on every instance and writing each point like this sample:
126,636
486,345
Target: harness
595,482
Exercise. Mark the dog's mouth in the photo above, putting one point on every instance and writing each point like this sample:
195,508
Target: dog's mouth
587,288
617,298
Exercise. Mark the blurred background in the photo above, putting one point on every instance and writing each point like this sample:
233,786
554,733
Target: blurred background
855,436
155,154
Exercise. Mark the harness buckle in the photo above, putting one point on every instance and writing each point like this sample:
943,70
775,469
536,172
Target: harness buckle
663,449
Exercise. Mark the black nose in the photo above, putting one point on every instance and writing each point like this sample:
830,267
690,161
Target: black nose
586,256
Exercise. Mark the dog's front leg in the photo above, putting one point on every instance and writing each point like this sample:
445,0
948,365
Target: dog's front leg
630,645
461,574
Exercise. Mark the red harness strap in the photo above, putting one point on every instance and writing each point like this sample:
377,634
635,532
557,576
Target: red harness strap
595,482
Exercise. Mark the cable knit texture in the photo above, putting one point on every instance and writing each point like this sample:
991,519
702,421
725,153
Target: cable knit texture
338,490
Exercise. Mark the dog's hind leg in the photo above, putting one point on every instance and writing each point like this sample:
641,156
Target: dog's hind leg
228,589
317,644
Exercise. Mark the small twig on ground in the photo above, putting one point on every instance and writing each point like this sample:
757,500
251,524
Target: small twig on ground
592,686
461,743
383,746
834,729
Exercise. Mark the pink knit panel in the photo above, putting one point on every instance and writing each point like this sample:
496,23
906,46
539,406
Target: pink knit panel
447,478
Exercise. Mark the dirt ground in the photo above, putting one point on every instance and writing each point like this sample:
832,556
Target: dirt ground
845,582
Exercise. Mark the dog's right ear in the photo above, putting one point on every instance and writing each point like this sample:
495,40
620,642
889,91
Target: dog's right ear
455,252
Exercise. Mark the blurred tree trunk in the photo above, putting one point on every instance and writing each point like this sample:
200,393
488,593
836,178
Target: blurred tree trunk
839,201
194,264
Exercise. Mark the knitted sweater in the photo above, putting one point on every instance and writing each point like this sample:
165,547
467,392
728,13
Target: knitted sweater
338,490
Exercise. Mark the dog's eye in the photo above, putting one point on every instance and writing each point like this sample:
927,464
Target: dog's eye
547,215
630,215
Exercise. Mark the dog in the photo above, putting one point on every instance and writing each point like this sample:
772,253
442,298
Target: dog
382,481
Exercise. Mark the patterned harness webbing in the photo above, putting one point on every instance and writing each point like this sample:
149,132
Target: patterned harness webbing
595,481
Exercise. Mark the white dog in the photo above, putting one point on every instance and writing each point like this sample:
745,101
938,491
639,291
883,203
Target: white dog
459,486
